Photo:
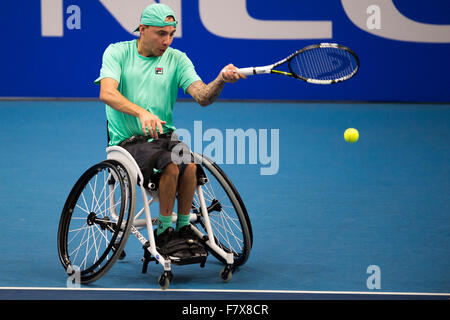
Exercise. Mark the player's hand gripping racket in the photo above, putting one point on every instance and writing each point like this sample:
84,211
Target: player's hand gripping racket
323,63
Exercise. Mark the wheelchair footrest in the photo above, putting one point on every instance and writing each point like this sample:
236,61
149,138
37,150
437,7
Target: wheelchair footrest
182,253
193,259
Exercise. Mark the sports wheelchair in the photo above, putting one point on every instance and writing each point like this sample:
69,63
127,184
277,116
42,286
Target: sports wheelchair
100,213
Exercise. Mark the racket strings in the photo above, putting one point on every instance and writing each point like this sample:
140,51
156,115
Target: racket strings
324,63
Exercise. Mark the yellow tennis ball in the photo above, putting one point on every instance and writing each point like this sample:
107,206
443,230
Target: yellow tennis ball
351,135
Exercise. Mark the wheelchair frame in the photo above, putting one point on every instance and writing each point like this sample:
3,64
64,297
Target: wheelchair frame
118,157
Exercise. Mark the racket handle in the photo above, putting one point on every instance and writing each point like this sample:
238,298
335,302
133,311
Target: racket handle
246,71
254,70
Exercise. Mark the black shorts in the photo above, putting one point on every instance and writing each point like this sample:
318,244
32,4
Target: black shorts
167,148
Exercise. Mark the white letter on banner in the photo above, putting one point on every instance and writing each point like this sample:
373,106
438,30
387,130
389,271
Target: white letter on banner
128,13
395,25
230,19
52,18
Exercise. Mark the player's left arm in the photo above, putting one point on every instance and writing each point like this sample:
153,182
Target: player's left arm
205,94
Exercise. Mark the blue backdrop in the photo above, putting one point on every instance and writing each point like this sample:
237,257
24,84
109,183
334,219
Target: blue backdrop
53,48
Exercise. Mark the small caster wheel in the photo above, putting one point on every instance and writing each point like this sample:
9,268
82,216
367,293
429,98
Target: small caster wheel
226,274
164,280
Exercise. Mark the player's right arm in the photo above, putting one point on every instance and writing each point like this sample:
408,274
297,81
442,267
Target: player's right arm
113,98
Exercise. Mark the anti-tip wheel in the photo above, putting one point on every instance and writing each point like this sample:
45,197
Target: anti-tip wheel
226,274
164,280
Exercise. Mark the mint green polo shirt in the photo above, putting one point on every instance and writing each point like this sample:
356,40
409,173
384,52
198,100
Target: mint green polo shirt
150,82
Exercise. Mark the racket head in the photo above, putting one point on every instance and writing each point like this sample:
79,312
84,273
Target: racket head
324,63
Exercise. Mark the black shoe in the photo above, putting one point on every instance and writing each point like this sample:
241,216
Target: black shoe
182,247
187,233
170,245
196,247
165,237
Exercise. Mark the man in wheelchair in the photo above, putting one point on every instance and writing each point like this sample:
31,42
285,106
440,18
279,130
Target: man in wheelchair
139,81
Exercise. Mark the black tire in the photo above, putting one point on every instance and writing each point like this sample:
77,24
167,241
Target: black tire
227,213
91,236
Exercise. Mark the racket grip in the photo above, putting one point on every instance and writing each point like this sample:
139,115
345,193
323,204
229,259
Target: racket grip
247,71
255,70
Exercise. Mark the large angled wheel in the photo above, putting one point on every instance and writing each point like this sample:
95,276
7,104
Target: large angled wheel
96,220
227,213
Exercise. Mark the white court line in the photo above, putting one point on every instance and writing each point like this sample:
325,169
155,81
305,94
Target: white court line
232,291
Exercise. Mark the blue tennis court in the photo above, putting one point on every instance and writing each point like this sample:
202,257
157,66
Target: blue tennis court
331,210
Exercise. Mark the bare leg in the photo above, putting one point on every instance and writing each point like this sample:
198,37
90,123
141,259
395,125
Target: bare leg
168,189
186,191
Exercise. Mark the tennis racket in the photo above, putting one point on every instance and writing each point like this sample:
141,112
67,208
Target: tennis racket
323,63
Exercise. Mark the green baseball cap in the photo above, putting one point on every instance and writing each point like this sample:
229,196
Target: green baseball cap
156,14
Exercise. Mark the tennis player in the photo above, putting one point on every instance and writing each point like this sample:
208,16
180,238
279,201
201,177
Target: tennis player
139,81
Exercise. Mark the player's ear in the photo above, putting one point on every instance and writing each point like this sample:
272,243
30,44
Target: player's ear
141,28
